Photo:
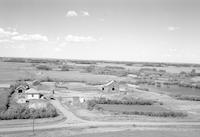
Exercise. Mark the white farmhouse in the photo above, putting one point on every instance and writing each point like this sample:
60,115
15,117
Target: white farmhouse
32,94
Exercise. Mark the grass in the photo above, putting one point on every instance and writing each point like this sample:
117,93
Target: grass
146,132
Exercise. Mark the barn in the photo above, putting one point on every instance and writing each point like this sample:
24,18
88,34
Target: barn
111,86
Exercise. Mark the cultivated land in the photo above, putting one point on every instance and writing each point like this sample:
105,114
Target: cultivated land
153,99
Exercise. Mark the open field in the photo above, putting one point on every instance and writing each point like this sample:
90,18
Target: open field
174,90
110,132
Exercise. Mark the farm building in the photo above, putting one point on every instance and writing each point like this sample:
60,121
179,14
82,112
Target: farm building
33,94
22,88
111,86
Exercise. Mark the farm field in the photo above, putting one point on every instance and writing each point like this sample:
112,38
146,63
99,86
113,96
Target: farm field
174,90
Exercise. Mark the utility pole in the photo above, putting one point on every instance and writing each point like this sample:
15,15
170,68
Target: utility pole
33,125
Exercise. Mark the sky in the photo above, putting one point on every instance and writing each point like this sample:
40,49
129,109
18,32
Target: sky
121,30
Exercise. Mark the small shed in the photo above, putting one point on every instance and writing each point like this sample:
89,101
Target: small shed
111,86
33,94
22,88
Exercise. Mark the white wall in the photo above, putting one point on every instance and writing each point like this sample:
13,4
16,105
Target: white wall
33,96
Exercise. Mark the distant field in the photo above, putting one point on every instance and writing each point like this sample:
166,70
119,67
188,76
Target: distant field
77,76
171,69
11,71
174,90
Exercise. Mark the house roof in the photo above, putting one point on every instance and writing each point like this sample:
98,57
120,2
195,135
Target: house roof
22,84
32,91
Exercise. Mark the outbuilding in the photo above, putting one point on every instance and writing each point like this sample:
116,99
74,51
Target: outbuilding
22,88
111,86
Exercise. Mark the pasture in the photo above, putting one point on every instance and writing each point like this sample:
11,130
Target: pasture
174,90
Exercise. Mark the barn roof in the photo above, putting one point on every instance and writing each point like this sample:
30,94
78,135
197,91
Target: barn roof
109,83
32,91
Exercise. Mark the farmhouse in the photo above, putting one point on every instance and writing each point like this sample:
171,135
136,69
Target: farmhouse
33,94
112,86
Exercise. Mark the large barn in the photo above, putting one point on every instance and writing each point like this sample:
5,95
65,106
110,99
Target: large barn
111,86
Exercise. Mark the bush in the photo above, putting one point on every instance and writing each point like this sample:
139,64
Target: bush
90,69
156,114
43,67
65,68
190,98
125,101
47,79
5,95
23,112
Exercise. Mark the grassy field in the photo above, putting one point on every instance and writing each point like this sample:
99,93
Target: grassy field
11,71
174,90
91,133
144,133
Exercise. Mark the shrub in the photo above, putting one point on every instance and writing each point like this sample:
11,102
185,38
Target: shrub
43,67
5,95
65,68
23,112
90,69
125,101
190,98
47,79
157,114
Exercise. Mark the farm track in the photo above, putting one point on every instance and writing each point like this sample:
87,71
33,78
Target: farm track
73,122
